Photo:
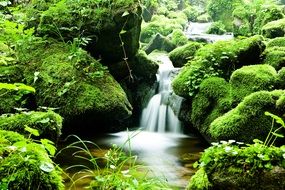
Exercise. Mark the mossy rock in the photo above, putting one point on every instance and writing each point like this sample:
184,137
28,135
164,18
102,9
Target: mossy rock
26,165
247,121
218,59
204,18
276,42
101,22
212,101
161,43
47,123
159,24
274,29
181,55
216,96
274,56
250,79
178,37
75,83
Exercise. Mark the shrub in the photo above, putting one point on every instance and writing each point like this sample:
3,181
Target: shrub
26,165
217,28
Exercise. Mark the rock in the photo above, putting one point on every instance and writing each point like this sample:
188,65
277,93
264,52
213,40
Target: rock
47,123
274,29
76,84
181,55
218,59
161,43
105,27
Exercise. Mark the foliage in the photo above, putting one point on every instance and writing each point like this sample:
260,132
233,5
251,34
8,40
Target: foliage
221,10
159,24
199,181
119,170
274,29
235,157
192,13
181,55
26,164
274,56
217,28
218,59
178,37
247,121
48,124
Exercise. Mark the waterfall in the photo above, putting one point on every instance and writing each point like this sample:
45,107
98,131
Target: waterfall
161,112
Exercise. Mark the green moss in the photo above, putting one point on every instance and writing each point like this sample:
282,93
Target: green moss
247,121
143,66
252,78
199,181
218,59
47,123
161,43
178,37
72,81
217,28
274,29
281,78
204,18
159,24
279,42
274,56
211,102
26,165
181,55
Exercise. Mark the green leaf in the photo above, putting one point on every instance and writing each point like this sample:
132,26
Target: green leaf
49,146
32,131
276,118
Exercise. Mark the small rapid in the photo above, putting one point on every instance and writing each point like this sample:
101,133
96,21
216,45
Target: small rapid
161,112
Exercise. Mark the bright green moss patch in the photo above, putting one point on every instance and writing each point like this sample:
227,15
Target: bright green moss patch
181,55
218,59
247,121
217,28
178,37
275,56
211,102
252,78
69,79
47,123
26,165
279,42
274,29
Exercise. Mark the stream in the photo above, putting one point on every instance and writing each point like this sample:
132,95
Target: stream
158,142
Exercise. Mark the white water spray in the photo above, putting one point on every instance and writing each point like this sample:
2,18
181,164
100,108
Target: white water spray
160,115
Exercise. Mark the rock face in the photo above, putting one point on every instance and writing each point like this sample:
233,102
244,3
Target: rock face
159,42
76,84
107,28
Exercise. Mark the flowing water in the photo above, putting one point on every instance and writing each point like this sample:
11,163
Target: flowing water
197,32
159,143
160,115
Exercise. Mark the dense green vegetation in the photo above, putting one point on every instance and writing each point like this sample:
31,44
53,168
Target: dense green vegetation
83,66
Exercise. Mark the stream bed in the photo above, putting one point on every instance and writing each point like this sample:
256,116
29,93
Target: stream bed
169,156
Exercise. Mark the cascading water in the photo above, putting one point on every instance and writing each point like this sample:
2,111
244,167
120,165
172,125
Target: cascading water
160,115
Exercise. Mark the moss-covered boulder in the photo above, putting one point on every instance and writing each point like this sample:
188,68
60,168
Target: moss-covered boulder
105,24
218,59
274,29
276,42
75,83
47,123
212,101
178,37
26,165
216,96
247,121
181,55
275,57
231,165
161,43
250,79
159,24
